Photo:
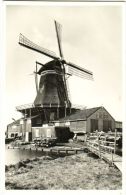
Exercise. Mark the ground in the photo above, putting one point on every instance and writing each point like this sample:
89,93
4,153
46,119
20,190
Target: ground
75,172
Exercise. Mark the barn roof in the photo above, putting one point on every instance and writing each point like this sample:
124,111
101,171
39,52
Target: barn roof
17,122
81,114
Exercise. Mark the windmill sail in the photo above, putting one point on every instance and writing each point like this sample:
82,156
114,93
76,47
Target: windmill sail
58,28
80,72
24,41
36,78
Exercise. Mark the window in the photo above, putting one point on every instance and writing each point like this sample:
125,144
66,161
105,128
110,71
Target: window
16,134
12,134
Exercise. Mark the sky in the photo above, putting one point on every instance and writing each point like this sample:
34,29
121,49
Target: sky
91,38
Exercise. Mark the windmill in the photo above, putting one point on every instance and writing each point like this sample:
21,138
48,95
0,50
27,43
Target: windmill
52,91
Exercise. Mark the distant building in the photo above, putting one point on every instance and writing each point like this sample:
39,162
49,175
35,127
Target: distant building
14,129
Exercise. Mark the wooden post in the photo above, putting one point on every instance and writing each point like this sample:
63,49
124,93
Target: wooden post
85,137
58,112
99,144
115,141
22,128
25,113
76,126
112,156
70,110
65,110
30,112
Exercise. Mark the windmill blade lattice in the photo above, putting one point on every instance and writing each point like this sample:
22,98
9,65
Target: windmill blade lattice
80,72
24,41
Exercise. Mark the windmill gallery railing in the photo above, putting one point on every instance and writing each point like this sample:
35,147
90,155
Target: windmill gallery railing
103,145
31,105
28,106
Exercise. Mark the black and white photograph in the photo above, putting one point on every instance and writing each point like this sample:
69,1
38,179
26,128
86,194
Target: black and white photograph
63,105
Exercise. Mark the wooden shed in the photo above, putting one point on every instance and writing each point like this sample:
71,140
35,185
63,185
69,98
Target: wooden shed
90,120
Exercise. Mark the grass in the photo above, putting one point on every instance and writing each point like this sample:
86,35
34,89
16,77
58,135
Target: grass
73,172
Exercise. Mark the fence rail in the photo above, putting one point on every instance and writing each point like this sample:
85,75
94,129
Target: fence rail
98,144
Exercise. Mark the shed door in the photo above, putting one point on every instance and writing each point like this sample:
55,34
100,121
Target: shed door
94,125
107,125
52,116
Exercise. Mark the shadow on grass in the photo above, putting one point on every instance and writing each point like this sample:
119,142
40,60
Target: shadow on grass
16,186
90,154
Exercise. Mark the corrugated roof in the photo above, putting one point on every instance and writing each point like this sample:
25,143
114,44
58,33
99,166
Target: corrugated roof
81,114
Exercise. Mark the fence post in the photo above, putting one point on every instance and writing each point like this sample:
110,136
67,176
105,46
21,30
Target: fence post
98,138
115,141
85,137
112,156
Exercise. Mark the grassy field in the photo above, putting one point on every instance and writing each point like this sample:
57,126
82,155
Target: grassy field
75,172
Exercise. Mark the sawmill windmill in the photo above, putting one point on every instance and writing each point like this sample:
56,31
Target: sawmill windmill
52,91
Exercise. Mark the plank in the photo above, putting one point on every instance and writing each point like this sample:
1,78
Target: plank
118,165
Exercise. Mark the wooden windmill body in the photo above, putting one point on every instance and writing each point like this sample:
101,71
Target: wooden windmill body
52,100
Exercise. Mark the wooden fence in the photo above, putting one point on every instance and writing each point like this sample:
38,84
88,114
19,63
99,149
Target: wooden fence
99,144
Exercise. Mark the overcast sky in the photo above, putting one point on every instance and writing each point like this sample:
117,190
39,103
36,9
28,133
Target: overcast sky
91,38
